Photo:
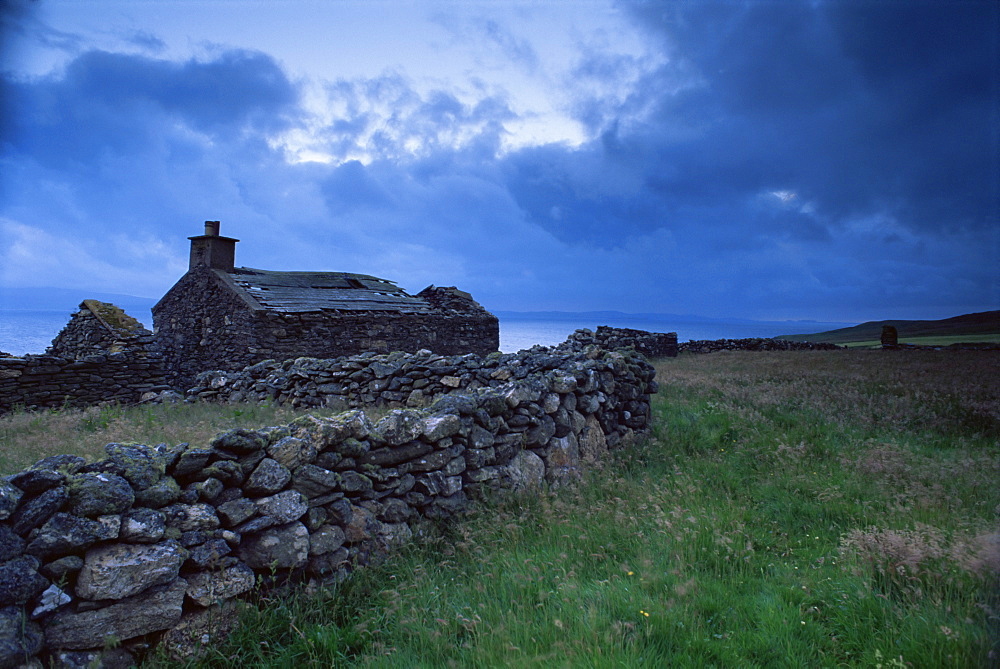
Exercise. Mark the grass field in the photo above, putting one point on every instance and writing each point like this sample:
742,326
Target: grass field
26,437
788,509
931,341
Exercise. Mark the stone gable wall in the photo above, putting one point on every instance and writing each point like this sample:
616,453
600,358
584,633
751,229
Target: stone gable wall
87,334
84,335
199,324
157,539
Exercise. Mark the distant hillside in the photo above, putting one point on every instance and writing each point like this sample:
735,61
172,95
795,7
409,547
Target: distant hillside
969,325
67,299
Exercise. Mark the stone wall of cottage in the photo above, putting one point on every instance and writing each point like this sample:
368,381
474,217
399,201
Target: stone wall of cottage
200,324
99,560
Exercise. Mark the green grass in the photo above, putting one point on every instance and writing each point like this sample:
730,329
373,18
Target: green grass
28,436
787,510
930,341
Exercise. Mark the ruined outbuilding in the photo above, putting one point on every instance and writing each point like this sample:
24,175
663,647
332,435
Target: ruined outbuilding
99,328
219,316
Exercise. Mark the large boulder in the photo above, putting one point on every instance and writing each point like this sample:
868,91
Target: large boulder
269,477
291,452
284,507
400,426
141,465
20,581
65,533
593,445
10,496
37,511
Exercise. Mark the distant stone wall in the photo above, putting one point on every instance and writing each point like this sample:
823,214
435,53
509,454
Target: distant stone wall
158,539
202,325
650,344
46,381
752,344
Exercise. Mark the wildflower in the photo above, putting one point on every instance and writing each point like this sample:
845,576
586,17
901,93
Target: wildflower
643,613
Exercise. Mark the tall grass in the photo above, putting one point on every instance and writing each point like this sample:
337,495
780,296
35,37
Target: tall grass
788,509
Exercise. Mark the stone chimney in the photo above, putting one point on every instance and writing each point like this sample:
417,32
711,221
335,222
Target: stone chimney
212,250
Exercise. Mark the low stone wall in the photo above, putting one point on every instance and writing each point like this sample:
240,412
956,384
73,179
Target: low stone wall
650,344
46,381
158,538
393,379
752,344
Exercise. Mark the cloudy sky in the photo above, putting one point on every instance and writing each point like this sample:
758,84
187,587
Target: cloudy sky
819,160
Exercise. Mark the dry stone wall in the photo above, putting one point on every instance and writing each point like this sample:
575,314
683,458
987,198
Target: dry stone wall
752,344
395,379
154,540
650,344
47,381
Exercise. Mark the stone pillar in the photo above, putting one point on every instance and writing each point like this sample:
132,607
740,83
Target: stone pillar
890,338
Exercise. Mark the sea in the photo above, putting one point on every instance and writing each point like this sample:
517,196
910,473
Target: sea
23,332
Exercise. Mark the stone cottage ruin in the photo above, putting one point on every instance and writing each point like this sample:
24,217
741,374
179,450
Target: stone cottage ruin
219,316
99,328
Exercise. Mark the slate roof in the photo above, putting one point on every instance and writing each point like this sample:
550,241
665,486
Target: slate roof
292,292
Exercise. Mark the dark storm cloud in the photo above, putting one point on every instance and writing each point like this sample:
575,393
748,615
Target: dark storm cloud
123,104
117,139
861,107
508,44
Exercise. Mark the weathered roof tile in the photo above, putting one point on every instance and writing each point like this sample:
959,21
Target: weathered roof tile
292,292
